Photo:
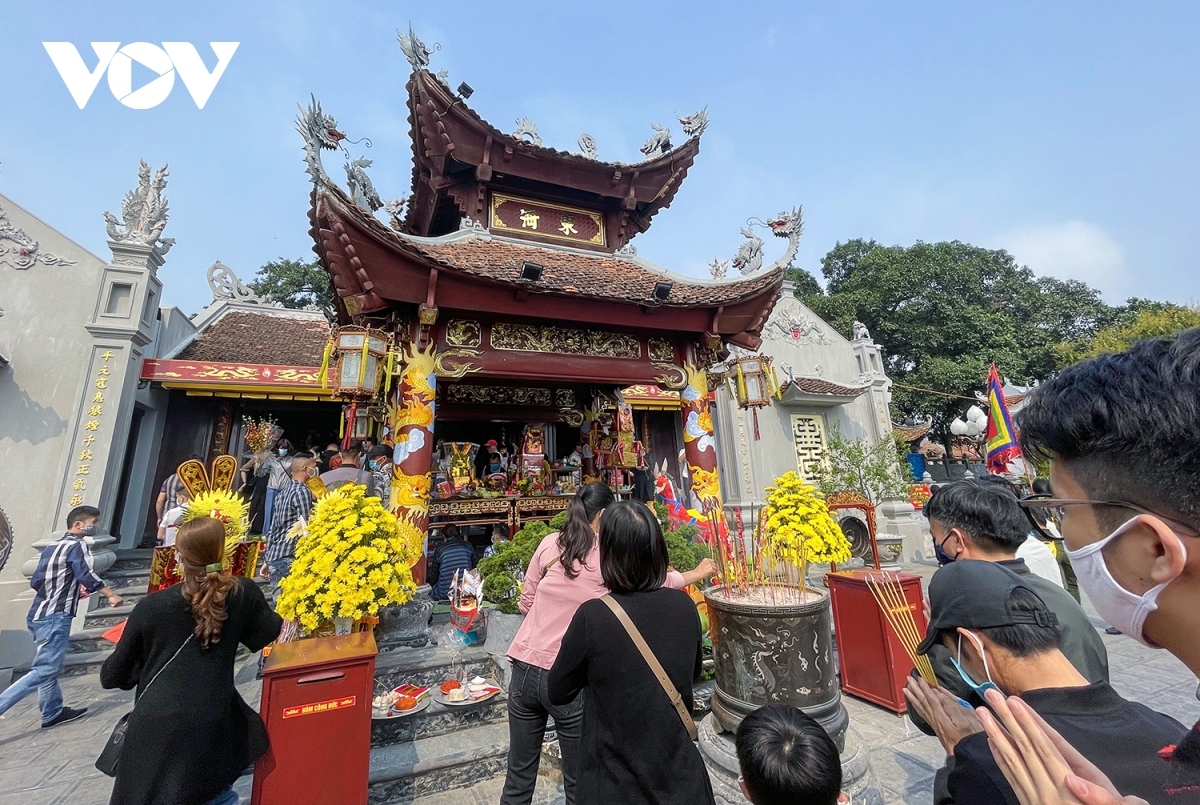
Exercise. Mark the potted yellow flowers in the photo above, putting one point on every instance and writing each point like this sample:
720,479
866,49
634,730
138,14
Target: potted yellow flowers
772,633
354,558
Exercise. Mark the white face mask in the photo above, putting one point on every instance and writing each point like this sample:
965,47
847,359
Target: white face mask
1124,610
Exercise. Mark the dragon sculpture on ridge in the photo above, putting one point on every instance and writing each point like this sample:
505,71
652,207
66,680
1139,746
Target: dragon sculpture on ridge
143,212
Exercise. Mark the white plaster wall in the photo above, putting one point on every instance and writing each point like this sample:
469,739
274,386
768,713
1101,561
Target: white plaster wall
42,334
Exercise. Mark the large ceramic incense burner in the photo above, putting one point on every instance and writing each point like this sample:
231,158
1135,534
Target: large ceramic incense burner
774,646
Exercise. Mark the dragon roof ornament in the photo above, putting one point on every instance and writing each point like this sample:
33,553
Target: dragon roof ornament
25,251
659,142
414,49
362,191
749,258
143,213
320,133
695,123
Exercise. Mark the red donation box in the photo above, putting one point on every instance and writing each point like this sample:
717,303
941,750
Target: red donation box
316,703
873,662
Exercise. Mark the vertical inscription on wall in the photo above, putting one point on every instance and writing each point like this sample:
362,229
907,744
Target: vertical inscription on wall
808,434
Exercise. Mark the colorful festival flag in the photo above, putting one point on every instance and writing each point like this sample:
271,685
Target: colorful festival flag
1002,444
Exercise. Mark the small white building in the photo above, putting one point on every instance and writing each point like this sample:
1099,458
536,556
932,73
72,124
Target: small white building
826,382
76,426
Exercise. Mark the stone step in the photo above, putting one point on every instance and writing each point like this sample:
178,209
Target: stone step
438,719
488,792
431,665
403,772
103,617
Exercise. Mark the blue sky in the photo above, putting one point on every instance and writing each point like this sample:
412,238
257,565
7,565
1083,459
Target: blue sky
1065,132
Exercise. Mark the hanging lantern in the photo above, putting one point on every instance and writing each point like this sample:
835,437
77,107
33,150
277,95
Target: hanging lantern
358,354
753,388
753,384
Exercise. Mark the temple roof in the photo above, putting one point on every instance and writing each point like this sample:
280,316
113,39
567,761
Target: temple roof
459,156
272,336
816,385
374,265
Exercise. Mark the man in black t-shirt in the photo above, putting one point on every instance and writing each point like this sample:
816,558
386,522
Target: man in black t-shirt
1000,634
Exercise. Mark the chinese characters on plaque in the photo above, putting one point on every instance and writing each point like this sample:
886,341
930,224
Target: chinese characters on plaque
98,387
548,220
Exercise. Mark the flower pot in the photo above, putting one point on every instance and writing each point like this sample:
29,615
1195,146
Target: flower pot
342,625
406,625
774,653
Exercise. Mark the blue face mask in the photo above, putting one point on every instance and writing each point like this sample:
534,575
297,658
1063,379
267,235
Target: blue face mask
283,451
373,464
979,689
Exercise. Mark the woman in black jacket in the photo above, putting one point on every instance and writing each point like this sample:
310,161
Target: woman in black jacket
192,735
634,748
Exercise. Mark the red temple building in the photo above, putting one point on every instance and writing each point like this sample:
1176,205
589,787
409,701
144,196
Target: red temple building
515,304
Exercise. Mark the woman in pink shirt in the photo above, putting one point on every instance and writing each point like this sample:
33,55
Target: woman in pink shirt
564,572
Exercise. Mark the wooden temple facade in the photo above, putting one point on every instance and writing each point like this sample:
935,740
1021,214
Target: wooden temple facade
509,291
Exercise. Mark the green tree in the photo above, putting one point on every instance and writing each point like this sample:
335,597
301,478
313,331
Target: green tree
294,283
855,465
1139,319
944,311
806,284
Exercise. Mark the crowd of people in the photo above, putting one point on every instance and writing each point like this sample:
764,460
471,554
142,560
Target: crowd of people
609,648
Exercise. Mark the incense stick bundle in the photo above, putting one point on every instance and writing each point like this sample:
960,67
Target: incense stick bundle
889,594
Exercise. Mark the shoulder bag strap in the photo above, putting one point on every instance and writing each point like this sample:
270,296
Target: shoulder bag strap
546,567
168,662
654,664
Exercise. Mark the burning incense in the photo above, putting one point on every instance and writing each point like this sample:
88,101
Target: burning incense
889,594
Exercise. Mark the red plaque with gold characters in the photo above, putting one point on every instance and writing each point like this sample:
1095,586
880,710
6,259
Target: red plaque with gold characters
521,216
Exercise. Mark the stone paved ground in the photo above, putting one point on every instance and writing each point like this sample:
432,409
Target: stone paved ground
54,767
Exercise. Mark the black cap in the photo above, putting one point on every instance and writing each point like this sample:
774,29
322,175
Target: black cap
975,595
379,450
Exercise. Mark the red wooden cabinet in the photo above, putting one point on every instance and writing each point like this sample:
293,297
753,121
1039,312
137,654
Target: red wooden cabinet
316,703
873,663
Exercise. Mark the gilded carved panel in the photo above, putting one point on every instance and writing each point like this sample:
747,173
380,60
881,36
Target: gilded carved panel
463,333
564,341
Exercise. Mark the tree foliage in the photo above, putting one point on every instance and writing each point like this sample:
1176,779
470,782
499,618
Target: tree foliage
944,311
294,283
855,465
1140,319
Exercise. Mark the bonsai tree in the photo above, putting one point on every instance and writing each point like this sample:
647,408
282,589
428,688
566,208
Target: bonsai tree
503,570
856,465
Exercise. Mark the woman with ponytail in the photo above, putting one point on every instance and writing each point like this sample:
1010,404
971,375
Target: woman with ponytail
564,572
193,736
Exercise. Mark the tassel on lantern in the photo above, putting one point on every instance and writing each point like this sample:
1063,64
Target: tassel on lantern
741,384
391,368
362,362
325,356
754,416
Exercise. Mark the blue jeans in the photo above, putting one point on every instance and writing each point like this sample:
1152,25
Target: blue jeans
279,570
52,635
226,797
269,510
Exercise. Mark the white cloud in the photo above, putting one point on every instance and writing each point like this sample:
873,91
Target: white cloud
1072,250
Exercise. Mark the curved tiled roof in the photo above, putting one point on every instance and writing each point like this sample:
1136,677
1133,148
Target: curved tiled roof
565,271
267,337
815,385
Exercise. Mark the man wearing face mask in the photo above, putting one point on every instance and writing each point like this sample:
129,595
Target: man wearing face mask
62,568
1000,634
379,462
1122,433
974,519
